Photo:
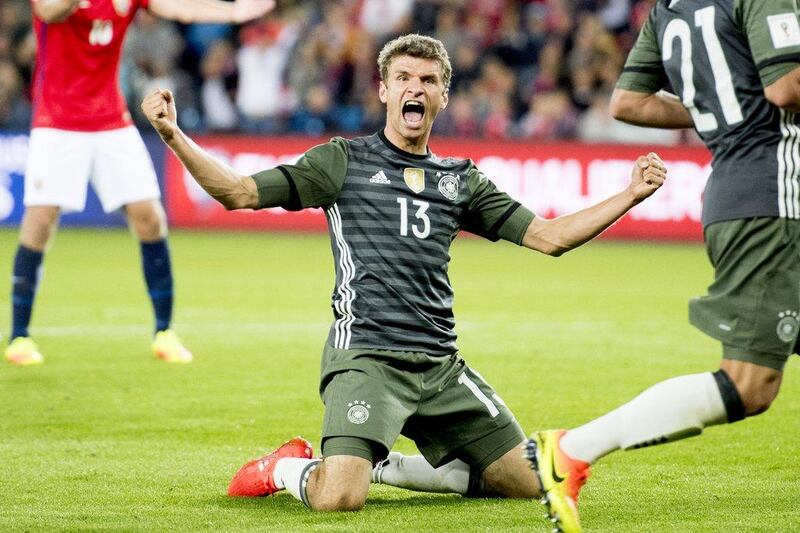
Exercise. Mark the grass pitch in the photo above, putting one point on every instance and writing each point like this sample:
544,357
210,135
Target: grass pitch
104,437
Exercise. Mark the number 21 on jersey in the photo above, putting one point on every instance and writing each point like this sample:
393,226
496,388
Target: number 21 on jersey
723,83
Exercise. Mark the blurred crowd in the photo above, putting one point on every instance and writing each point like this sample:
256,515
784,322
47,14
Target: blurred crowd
525,69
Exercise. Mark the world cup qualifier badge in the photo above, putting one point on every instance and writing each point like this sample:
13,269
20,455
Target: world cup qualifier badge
788,325
448,185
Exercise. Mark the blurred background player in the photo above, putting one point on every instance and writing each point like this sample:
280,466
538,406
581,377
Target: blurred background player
82,132
391,364
716,54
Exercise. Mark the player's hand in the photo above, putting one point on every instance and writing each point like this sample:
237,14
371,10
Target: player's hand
244,10
648,175
159,108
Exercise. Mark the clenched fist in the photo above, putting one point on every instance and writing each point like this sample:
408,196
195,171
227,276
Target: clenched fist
159,108
648,175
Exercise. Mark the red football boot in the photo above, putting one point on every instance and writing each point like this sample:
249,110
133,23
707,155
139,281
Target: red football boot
255,478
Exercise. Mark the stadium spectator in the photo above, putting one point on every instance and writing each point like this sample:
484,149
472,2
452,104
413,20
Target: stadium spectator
316,114
82,132
262,97
383,18
14,108
551,116
217,91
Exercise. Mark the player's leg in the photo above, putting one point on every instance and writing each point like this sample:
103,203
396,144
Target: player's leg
341,482
336,483
38,225
414,472
55,178
148,223
124,178
752,307
757,385
367,402
469,436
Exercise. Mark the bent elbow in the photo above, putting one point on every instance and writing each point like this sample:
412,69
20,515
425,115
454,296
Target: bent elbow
617,107
785,93
231,203
780,99
616,110
553,249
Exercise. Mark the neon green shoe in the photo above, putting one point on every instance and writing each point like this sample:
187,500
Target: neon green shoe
168,347
23,352
561,478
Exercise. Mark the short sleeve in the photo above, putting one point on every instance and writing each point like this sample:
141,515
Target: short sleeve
773,32
493,214
644,71
314,181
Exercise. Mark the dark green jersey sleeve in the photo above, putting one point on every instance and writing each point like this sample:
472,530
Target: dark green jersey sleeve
643,71
314,181
492,213
773,33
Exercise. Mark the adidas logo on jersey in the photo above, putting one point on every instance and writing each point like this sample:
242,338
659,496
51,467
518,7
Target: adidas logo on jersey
380,178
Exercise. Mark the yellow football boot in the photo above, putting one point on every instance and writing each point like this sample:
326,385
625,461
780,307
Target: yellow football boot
168,347
23,352
561,478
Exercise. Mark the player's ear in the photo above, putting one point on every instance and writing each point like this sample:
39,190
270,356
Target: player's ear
445,98
382,90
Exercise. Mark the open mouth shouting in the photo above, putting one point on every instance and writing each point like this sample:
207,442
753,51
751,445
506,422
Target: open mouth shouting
413,113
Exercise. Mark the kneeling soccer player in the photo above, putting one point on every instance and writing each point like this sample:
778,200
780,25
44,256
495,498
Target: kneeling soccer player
390,364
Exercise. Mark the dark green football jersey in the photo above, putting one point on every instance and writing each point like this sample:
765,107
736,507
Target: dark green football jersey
717,55
391,217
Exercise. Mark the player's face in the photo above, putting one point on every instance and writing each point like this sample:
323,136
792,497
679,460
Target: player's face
414,93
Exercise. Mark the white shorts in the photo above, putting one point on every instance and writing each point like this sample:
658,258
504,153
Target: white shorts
61,163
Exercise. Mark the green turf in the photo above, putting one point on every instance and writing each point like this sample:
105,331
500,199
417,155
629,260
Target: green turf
105,437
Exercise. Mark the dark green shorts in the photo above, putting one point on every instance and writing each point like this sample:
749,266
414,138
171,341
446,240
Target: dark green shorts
753,305
441,404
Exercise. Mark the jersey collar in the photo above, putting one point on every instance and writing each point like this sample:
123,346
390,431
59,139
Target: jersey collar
394,148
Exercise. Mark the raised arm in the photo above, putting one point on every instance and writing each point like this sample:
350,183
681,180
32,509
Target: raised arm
223,183
190,11
54,10
656,110
562,234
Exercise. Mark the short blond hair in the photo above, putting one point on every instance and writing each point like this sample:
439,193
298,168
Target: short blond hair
416,45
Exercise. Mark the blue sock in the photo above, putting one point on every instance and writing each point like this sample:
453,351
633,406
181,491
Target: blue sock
158,276
27,265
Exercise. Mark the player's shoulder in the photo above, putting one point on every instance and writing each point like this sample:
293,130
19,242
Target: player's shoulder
450,163
360,142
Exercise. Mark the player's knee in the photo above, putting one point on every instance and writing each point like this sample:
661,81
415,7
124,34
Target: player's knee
148,224
757,385
342,499
38,225
756,400
757,394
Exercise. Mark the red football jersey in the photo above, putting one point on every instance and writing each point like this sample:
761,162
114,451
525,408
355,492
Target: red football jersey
75,80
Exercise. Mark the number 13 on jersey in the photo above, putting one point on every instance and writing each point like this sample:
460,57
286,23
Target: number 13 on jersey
422,226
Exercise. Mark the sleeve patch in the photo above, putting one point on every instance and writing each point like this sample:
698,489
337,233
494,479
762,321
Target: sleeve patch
784,30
